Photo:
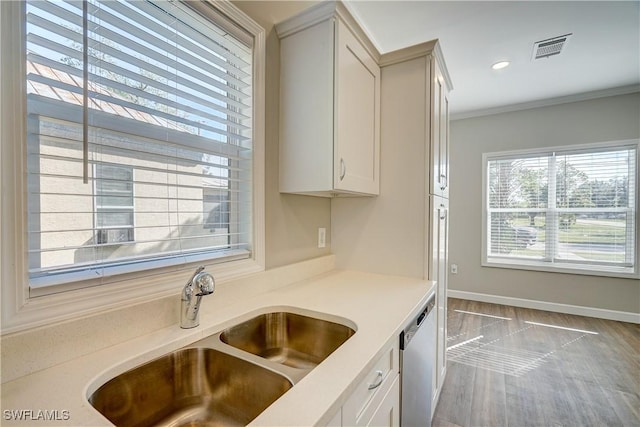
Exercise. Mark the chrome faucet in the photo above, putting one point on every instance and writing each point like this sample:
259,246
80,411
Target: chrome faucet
203,284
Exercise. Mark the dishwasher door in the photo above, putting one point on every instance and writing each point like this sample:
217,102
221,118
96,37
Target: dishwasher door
417,359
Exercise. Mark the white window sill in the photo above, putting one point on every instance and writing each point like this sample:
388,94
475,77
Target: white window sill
565,268
74,304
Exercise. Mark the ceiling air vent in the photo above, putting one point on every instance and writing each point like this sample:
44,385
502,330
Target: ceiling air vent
549,47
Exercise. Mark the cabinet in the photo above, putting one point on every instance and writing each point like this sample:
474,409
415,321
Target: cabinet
439,178
438,254
376,399
404,231
336,420
329,105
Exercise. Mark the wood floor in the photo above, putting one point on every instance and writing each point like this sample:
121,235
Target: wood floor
509,366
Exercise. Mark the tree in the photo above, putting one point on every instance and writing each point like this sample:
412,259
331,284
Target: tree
535,190
107,69
613,193
573,189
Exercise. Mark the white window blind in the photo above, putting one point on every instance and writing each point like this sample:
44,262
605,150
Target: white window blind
565,208
139,138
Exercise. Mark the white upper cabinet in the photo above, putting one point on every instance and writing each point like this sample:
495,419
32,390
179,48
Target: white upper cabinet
329,105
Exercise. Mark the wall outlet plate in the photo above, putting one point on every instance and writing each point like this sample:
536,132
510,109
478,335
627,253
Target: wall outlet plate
322,237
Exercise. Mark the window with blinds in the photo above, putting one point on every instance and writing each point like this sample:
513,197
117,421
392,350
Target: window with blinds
566,209
139,122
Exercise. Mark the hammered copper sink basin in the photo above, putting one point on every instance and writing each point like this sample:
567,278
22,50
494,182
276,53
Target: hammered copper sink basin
190,387
287,338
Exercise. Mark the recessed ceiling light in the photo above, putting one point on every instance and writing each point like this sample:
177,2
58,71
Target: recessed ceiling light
500,65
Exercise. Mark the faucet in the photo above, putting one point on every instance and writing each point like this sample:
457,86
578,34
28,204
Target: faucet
204,284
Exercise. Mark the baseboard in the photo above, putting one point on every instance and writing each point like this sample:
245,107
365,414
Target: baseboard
621,316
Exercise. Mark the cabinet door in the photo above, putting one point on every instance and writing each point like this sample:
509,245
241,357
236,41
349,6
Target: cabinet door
306,110
388,413
359,408
438,272
444,144
439,134
357,116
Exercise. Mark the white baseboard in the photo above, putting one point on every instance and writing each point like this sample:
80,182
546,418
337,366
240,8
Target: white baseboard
621,316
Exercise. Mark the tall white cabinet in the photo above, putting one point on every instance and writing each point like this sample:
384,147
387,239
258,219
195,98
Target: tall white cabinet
404,230
438,254
354,122
329,105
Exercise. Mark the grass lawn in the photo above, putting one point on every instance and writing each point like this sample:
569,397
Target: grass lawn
600,231
602,257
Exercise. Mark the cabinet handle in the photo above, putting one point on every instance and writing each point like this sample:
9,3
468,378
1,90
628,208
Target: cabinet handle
343,169
378,381
443,180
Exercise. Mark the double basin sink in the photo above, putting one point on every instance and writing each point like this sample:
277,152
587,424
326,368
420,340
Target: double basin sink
226,379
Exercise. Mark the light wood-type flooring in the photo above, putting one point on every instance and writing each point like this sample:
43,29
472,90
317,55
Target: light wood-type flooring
510,366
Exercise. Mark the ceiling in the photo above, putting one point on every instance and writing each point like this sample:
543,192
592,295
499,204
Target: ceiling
601,57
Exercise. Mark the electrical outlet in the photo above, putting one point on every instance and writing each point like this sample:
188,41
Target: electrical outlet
322,237
454,268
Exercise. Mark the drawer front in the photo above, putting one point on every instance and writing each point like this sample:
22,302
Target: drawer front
378,381
387,412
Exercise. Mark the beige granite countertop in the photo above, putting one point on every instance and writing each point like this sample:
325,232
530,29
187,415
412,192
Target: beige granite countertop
378,305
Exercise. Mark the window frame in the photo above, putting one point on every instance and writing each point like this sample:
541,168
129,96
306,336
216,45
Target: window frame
20,311
556,266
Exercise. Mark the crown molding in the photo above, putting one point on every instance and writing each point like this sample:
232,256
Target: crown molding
621,90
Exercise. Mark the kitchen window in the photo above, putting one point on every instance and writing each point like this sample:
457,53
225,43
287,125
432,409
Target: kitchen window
143,142
114,210
570,209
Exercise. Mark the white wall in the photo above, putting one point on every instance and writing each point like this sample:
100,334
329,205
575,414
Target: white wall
291,236
291,222
604,119
386,234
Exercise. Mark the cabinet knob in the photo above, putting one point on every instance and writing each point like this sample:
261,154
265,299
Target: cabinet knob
343,169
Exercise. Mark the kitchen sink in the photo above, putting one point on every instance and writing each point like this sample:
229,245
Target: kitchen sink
290,339
190,387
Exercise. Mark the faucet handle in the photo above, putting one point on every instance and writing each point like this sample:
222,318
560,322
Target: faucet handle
198,271
205,283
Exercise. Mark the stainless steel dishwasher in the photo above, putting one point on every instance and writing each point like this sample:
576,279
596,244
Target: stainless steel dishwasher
417,357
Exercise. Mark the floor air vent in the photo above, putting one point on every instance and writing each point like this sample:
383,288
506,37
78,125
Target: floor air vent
549,47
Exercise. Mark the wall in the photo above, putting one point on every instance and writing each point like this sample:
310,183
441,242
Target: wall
291,236
604,119
291,221
385,234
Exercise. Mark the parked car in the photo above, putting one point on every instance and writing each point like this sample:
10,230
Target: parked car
525,236
512,237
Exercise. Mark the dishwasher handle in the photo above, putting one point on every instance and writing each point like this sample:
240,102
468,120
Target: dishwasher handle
421,318
412,328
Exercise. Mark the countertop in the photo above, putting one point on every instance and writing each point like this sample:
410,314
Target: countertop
379,305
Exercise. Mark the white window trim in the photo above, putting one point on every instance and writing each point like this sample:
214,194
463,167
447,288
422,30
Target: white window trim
19,312
557,267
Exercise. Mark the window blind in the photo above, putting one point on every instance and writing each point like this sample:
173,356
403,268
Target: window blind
151,104
571,208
